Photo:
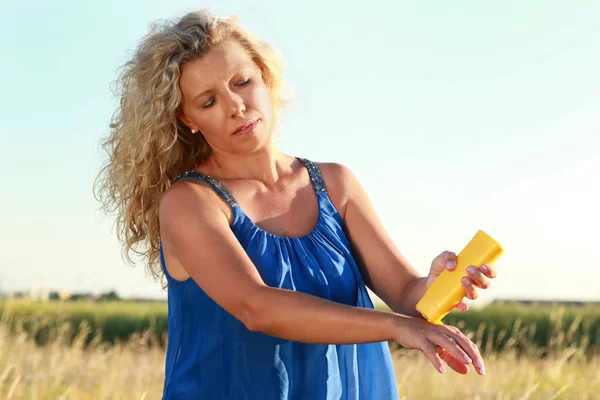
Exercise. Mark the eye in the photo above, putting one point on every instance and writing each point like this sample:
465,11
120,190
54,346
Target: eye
209,104
212,100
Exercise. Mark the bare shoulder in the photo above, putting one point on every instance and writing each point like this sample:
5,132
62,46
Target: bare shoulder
187,210
340,181
188,196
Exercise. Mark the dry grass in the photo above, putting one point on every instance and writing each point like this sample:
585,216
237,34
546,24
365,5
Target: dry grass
507,377
134,370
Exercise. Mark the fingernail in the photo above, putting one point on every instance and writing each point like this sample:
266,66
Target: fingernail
471,269
478,363
451,265
467,359
466,281
485,268
442,369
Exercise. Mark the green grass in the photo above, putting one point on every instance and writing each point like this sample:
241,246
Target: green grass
114,321
496,327
546,328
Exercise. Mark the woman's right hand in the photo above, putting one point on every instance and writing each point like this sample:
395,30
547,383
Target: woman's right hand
439,342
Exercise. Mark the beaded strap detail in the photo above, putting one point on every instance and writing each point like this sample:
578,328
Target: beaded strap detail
315,175
222,190
313,171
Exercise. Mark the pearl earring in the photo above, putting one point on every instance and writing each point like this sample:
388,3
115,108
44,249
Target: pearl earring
194,131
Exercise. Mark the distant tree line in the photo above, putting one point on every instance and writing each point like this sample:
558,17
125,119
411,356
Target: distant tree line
54,295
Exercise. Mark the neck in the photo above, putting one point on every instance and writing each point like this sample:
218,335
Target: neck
266,165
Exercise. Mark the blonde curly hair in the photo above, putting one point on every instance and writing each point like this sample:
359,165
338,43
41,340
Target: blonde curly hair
148,146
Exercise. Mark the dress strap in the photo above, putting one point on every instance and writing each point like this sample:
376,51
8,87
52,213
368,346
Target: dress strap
315,175
216,185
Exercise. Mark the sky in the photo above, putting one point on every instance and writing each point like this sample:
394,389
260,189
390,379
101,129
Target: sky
455,117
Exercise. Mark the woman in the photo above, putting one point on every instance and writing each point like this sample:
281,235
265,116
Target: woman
266,256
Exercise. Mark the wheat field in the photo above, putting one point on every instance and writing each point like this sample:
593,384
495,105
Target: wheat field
69,367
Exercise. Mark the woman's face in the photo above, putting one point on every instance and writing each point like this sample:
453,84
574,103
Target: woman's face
222,91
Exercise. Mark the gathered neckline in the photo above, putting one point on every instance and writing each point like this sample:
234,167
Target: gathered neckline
239,209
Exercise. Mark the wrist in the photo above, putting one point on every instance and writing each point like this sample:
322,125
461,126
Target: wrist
428,280
418,287
410,296
400,322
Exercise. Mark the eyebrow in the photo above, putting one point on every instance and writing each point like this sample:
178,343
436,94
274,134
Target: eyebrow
240,71
200,95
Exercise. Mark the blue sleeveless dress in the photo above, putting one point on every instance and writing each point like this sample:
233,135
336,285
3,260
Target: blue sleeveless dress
211,355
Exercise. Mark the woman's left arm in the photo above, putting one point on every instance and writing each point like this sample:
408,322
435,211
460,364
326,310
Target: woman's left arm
384,269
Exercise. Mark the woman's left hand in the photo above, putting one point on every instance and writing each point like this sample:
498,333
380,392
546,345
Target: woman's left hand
477,276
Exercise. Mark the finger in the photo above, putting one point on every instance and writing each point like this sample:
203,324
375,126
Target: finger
446,260
453,347
478,278
452,361
469,288
467,346
449,260
462,306
430,351
489,270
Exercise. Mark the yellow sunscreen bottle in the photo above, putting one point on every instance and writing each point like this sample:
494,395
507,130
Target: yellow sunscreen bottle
446,290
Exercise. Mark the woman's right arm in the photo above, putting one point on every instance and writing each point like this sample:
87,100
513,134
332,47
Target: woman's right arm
196,232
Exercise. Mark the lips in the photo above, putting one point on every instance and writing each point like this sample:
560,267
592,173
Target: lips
245,128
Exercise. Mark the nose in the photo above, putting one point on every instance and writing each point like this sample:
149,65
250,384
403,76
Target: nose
236,105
